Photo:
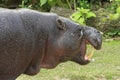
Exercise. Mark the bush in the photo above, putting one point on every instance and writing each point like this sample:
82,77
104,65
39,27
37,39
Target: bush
81,15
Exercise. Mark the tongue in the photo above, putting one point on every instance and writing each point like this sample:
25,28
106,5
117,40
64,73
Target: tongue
89,56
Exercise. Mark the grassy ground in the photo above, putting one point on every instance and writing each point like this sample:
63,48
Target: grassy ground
105,67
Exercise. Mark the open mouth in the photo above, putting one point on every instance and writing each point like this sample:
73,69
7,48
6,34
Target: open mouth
84,58
88,56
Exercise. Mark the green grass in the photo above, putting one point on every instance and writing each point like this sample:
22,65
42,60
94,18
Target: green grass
105,67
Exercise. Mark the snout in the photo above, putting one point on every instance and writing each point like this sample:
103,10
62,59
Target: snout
95,41
94,37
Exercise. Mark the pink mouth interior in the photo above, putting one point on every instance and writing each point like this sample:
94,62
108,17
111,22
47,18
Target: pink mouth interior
83,50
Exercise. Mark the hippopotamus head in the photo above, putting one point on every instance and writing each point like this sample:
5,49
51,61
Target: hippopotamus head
70,45
90,36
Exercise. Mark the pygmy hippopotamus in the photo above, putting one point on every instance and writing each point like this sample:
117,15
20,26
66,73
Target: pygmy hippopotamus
31,40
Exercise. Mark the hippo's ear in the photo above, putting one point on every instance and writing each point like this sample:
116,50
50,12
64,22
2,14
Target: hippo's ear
61,24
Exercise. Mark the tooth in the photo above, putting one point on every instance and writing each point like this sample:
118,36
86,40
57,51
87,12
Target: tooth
89,56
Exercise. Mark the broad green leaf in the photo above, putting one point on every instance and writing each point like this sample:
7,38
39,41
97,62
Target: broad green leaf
30,6
84,10
111,16
51,2
78,8
90,14
118,10
43,2
76,16
116,16
81,20
119,33
103,19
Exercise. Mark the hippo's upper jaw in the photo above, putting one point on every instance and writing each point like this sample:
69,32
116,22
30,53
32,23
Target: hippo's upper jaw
93,37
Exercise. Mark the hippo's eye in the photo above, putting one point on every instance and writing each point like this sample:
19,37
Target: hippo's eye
96,31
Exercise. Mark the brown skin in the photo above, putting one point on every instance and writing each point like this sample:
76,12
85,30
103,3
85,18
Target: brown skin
31,40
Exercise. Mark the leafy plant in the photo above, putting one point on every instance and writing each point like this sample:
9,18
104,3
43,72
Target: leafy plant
113,6
84,4
71,4
81,15
113,33
51,2
25,4
43,2
116,15
47,4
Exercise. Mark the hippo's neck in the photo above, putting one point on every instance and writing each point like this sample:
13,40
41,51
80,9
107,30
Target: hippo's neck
43,28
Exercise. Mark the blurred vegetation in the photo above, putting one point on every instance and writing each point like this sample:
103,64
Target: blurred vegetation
46,5
101,14
81,15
